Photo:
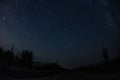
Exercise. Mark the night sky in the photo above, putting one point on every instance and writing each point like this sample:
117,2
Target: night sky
70,32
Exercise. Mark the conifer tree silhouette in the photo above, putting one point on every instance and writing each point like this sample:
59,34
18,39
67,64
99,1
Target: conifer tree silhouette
1,54
105,55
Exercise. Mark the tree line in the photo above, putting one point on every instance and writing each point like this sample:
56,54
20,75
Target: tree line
25,58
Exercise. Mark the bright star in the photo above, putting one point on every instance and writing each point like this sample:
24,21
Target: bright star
109,24
4,18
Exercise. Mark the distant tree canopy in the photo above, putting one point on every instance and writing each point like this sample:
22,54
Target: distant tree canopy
105,55
8,57
1,50
26,57
25,60
1,54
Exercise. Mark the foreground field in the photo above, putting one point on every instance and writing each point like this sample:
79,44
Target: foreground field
72,76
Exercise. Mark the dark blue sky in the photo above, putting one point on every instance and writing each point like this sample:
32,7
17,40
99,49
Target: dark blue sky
71,32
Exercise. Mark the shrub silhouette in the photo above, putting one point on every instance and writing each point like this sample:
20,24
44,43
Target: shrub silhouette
9,57
105,55
1,54
26,58
17,59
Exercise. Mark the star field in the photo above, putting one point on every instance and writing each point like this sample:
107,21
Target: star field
71,32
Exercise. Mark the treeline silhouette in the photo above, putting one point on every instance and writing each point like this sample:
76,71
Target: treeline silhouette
25,58
22,65
107,66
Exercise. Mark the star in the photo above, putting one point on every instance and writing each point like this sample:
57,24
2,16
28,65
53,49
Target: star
109,24
16,2
50,12
36,6
28,0
4,18
67,8
66,1
42,1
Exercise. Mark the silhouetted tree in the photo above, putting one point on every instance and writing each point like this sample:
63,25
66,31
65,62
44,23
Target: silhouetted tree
26,58
1,50
17,59
1,54
9,57
105,55
12,48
